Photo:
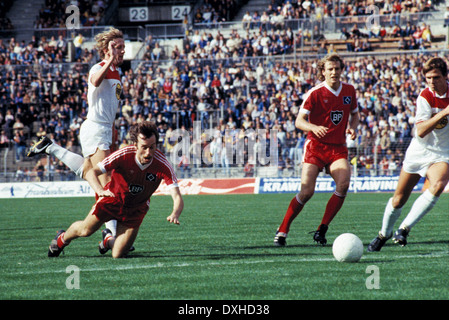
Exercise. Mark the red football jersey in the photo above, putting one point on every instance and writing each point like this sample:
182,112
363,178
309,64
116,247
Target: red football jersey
331,109
133,182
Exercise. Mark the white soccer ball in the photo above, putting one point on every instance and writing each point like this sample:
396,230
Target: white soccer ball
347,248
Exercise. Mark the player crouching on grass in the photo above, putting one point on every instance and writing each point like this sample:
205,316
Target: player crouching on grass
137,171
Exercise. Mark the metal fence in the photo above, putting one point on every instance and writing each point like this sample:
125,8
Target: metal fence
180,30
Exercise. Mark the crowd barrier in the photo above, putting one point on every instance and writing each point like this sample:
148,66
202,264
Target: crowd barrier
207,186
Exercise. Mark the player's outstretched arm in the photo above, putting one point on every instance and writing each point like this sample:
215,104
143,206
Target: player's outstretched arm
178,205
92,177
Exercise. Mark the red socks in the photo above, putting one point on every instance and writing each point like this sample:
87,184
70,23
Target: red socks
333,206
106,241
61,242
293,210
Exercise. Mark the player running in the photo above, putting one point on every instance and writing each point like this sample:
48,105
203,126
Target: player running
328,112
427,156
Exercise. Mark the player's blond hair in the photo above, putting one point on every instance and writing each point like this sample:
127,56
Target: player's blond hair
330,57
435,64
105,37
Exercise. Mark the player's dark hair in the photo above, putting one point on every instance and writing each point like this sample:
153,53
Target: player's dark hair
145,128
435,63
330,57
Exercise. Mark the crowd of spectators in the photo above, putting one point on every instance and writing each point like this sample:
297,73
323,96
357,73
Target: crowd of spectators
234,95
271,33
279,11
242,97
53,13
410,37
212,12
44,52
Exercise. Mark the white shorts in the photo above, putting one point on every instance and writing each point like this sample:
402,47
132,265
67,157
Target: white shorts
418,159
93,136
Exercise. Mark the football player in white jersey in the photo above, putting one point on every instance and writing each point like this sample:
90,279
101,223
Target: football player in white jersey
96,132
427,156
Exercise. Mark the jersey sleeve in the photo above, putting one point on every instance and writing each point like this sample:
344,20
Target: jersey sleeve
113,160
307,103
92,71
166,170
423,109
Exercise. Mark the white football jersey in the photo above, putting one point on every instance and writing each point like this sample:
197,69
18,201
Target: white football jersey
103,101
427,105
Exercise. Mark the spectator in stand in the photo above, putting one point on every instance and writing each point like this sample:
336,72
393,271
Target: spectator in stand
19,145
156,53
4,140
78,43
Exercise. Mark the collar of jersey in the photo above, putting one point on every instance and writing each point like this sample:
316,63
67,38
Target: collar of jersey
336,93
445,95
142,166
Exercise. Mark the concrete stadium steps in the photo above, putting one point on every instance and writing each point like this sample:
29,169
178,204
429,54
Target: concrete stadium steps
23,14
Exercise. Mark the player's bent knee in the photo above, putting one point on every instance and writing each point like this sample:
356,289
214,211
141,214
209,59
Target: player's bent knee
118,256
398,201
438,187
120,253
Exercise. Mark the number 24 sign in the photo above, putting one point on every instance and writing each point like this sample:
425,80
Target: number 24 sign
137,14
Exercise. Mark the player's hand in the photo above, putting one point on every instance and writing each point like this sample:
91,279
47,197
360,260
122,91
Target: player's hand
105,193
320,131
173,219
352,133
112,48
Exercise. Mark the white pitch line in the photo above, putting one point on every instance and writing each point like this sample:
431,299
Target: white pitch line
235,262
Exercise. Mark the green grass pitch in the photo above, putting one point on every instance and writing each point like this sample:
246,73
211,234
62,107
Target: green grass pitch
223,250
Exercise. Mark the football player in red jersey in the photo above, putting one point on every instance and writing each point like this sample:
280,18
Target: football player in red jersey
329,112
137,172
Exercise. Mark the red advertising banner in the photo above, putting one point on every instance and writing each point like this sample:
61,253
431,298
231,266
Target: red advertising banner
212,186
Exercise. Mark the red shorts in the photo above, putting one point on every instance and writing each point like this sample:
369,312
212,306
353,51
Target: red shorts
111,208
322,154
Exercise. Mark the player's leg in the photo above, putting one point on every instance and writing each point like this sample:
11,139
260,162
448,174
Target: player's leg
83,228
392,211
308,179
72,160
123,241
438,176
104,179
97,157
78,229
340,171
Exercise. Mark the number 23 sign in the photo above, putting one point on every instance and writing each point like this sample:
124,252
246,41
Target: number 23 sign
137,14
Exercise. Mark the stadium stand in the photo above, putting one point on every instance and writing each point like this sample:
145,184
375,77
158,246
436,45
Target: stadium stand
227,72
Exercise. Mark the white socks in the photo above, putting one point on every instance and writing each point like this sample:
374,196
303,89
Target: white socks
390,216
72,160
422,205
420,208
112,225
